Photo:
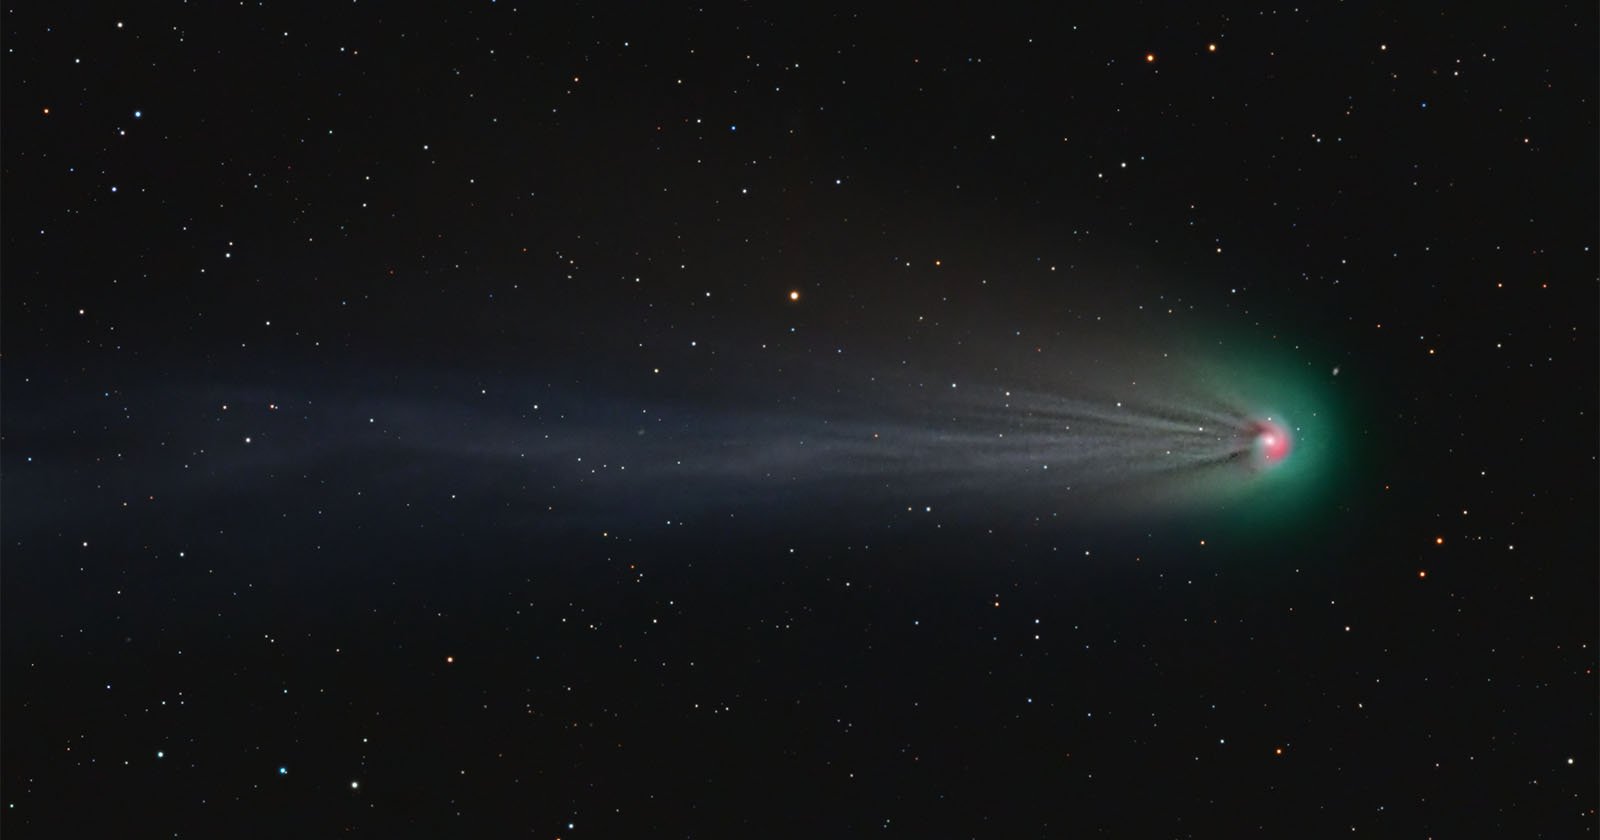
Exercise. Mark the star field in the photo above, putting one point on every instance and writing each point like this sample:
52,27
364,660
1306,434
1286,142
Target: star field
564,421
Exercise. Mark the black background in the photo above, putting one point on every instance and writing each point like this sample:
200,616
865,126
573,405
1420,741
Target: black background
359,205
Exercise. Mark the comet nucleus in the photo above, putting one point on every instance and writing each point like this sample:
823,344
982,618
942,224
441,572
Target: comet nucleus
1270,443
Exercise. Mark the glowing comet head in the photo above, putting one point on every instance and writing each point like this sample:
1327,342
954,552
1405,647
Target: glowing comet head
1269,443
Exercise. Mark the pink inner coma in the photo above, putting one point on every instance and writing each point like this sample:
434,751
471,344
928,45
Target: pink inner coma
1270,441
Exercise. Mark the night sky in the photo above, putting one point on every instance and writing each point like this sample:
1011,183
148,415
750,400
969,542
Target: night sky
552,420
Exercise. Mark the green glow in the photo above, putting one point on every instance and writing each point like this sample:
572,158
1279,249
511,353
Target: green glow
1297,388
